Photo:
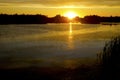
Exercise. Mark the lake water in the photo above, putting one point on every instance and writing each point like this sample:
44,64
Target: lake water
63,45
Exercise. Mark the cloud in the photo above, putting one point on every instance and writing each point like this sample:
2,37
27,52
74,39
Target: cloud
59,3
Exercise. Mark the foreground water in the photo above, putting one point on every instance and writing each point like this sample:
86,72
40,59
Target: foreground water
65,45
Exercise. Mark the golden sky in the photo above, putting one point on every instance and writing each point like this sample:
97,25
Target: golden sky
54,7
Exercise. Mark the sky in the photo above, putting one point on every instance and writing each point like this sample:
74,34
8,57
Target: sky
53,7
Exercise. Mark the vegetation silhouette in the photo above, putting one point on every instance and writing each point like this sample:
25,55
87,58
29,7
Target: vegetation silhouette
23,19
92,19
43,19
110,60
58,19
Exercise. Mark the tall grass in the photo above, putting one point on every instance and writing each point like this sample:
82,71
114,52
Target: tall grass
110,60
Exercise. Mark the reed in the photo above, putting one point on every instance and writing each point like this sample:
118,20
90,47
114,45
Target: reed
110,59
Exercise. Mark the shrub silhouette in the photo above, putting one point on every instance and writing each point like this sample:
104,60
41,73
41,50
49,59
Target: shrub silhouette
110,60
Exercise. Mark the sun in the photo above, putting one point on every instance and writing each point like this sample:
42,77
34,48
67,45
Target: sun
70,14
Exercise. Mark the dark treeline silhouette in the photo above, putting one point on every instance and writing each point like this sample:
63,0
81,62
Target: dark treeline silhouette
23,19
94,19
42,19
110,19
58,19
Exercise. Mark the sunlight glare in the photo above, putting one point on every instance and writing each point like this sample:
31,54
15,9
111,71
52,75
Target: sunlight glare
70,14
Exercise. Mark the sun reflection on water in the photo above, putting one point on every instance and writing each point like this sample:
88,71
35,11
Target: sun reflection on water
70,31
70,37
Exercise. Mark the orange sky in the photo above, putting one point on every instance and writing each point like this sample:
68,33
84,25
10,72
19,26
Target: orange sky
54,7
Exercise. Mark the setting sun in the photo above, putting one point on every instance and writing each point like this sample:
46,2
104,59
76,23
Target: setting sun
70,14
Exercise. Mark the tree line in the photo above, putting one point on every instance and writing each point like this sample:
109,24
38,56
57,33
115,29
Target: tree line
43,19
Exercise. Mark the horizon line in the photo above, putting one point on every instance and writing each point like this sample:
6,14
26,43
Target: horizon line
56,15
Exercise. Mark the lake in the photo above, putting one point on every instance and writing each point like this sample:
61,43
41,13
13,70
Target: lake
65,45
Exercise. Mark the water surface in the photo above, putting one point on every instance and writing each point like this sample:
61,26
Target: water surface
63,45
